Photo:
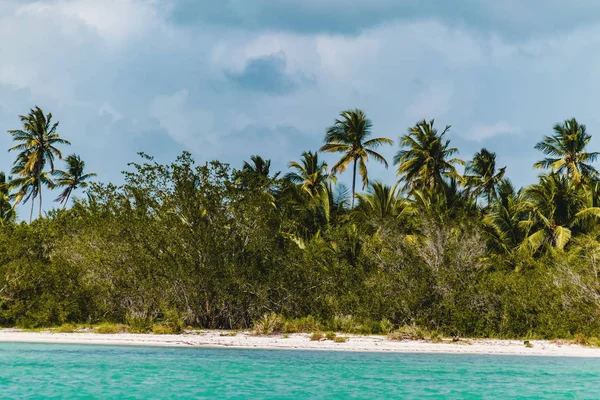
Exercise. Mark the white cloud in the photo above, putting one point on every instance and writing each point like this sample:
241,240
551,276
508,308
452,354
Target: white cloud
107,109
112,20
481,132
432,102
184,124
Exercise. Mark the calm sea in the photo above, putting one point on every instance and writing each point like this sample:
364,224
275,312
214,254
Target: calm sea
73,371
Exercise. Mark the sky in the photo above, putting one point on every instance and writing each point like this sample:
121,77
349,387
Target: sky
229,79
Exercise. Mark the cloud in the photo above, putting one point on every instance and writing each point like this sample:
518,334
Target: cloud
187,126
112,20
268,74
514,19
433,100
479,133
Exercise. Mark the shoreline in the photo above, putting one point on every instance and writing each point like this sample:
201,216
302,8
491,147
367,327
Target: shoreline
300,341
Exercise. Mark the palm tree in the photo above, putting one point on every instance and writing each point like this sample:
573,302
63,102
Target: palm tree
567,150
71,179
382,202
7,212
556,207
309,173
37,142
257,171
425,163
349,135
503,222
258,166
481,175
26,182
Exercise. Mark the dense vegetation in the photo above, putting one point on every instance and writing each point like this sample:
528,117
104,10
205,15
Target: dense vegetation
211,246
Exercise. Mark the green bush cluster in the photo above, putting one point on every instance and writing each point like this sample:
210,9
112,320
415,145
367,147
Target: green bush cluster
202,245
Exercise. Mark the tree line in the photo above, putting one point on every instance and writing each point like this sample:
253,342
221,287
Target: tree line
461,253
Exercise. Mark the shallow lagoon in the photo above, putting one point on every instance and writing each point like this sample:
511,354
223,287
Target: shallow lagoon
89,371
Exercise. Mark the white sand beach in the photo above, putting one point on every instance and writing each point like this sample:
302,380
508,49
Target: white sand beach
303,342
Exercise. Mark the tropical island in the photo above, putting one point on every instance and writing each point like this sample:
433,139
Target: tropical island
444,251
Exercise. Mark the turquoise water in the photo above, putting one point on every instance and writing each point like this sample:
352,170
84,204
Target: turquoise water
70,371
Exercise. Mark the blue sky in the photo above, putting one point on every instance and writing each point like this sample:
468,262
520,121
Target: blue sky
232,78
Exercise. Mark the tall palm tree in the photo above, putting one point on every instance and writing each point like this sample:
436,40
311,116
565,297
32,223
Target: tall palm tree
309,173
503,222
556,207
349,135
71,179
26,182
382,201
258,171
566,149
481,175
7,212
257,165
37,142
424,162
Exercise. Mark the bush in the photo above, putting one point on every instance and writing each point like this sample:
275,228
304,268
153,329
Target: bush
581,340
139,324
435,337
316,336
107,328
306,324
171,321
65,328
161,329
340,339
268,324
345,323
330,335
386,326
408,332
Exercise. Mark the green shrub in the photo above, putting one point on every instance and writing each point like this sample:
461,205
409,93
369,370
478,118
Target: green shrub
340,339
161,329
407,332
345,323
172,321
581,340
269,324
386,326
594,342
435,337
107,328
306,324
316,336
139,324
330,335
65,328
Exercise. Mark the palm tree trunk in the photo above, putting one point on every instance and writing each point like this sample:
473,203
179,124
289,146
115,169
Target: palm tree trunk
66,201
31,212
353,185
40,203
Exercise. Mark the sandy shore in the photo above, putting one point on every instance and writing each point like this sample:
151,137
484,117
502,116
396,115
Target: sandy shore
302,342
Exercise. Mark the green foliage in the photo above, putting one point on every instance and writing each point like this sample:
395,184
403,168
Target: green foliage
110,328
65,328
316,336
204,245
143,324
407,332
340,339
330,335
268,324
